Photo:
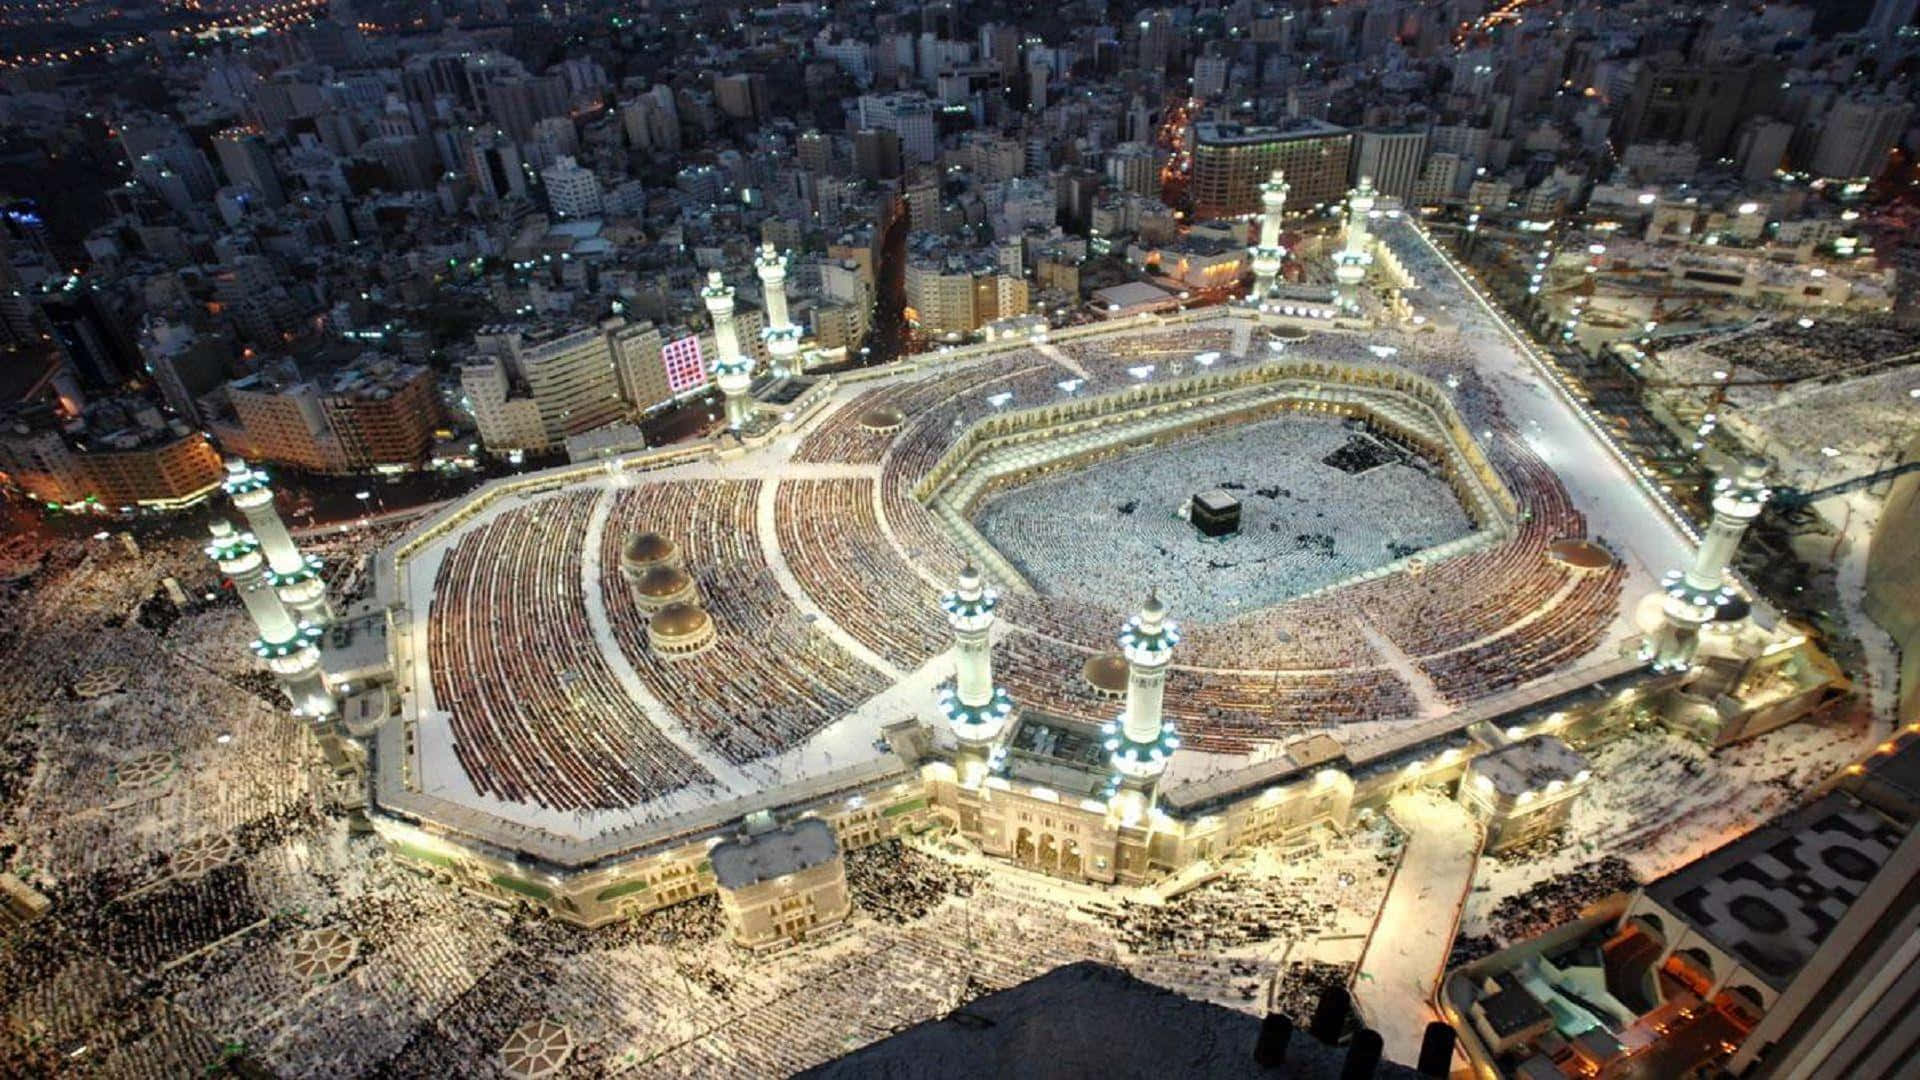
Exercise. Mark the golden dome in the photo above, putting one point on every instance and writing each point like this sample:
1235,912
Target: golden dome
647,548
1581,554
882,418
1106,672
662,581
677,621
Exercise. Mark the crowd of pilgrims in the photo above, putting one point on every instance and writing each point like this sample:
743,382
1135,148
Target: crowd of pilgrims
897,884
514,659
772,678
1559,899
1828,345
175,947
1313,890
538,715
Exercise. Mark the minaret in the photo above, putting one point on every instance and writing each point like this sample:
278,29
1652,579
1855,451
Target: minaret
1350,265
1268,254
290,649
782,337
976,710
1695,595
732,371
1140,742
294,576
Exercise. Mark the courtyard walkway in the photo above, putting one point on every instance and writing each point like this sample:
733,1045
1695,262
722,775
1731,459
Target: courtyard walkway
1394,985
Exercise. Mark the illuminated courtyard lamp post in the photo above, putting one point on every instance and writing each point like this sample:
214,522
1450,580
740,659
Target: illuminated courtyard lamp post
294,576
1356,255
977,711
1140,743
732,371
290,648
1268,254
781,336
1695,595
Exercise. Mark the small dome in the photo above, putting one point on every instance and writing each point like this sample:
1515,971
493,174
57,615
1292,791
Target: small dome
679,621
1106,672
882,418
1290,333
1581,554
647,548
662,581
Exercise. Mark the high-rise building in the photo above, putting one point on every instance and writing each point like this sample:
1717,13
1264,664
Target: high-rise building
1156,40
88,332
382,412
147,462
372,412
1858,135
1230,161
1760,148
1889,18
530,387
494,163
247,161
517,104
814,152
1134,167
1392,158
876,154
908,115
742,97
184,363
506,417
636,356
1853,1009
1678,100
1210,76
1439,178
955,294
571,190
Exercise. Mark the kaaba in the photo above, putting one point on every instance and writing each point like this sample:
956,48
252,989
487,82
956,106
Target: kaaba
1215,513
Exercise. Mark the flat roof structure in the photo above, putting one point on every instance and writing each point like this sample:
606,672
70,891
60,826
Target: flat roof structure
1513,1010
1132,295
1216,500
1771,897
1230,134
1065,755
1530,765
757,857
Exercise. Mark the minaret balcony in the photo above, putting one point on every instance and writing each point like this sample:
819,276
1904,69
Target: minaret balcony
976,723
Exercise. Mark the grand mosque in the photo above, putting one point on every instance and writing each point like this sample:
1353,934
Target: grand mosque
1108,602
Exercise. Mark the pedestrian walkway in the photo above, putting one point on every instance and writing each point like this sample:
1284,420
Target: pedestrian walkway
1407,954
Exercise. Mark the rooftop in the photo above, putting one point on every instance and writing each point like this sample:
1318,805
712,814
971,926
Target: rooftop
1771,897
1512,1010
752,859
1530,765
1229,134
1066,756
